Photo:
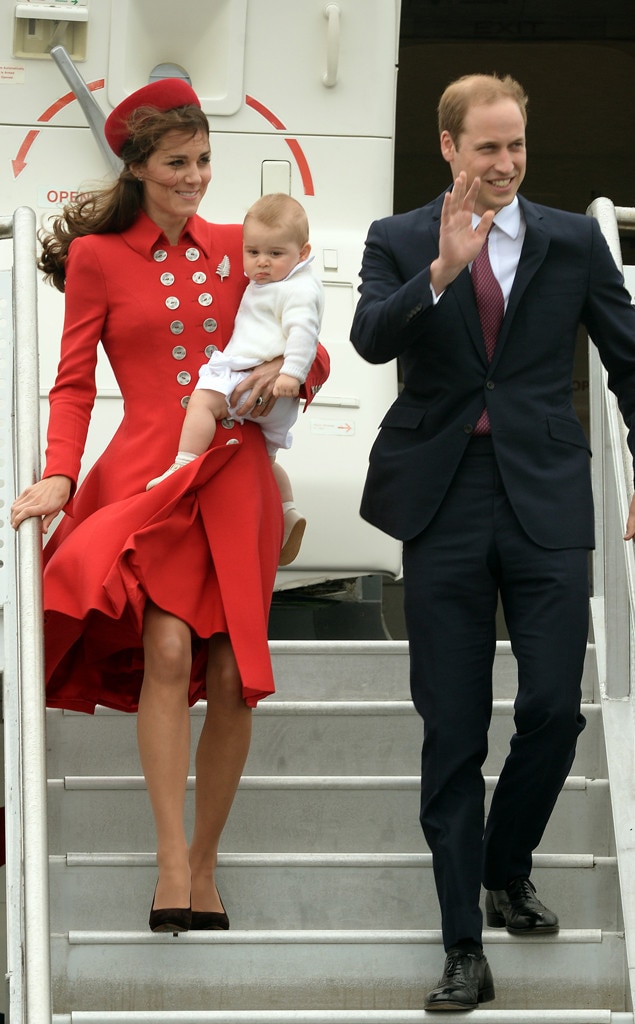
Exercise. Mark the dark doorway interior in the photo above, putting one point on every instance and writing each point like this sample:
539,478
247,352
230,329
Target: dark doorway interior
576,60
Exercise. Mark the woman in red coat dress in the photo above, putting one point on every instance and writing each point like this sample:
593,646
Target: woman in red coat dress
154,599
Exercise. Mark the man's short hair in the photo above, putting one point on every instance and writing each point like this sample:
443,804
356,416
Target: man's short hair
474,90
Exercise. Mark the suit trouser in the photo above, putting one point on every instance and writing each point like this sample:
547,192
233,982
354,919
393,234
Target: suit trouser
454,571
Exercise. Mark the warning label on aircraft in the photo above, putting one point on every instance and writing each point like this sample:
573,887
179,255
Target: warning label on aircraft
343,427
13,73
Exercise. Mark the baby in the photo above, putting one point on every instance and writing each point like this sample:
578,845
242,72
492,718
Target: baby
280,314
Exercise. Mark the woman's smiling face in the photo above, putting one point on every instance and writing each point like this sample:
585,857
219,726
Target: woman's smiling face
175,178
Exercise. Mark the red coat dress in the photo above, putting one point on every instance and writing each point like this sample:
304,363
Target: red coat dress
204,544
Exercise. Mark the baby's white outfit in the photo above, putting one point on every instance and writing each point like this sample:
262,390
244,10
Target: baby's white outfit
273,319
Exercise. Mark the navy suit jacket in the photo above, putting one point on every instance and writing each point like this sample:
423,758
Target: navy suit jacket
566,276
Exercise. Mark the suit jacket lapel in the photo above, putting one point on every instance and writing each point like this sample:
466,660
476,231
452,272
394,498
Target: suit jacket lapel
464,292
535,247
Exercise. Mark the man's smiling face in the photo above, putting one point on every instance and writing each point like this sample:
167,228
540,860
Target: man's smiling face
490,147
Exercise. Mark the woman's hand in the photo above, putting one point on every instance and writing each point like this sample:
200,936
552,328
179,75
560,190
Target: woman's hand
259,383
45,499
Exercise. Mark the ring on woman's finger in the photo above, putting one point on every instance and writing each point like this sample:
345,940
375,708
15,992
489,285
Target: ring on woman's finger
259,400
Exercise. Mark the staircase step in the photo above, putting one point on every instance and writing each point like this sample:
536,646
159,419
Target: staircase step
301,737
338,814
377,669
304,891
324,970
339,1017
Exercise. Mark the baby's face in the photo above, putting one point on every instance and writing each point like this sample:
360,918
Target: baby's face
269,254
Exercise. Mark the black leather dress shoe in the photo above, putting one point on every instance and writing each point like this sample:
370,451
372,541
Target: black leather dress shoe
518,909
466,981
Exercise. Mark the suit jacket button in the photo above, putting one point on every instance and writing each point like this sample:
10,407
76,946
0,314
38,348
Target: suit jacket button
490,385
468,428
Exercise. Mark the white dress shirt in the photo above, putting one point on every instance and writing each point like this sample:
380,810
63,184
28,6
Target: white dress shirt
506,239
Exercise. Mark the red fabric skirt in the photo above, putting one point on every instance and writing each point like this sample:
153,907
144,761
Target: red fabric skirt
203,545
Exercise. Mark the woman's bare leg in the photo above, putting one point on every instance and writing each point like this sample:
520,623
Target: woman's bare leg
220,758
163,734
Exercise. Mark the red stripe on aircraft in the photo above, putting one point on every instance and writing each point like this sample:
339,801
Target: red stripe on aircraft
63,101
293,144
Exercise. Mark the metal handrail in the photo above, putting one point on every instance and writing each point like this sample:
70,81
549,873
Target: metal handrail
91,109
613,601
612,468
28,920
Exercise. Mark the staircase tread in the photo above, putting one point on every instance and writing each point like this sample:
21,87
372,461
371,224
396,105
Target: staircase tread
330,936
295,781
485,1016
326,858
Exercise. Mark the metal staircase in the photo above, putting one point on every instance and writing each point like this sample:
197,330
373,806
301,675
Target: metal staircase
323,868
323,871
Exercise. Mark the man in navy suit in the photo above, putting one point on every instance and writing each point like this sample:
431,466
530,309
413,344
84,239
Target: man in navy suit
481,468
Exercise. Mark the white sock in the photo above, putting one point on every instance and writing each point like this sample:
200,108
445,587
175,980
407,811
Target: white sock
287,506
182,458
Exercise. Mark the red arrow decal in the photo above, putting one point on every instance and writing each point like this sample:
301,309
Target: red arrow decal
20,161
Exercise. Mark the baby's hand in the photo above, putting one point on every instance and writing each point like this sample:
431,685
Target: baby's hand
286,387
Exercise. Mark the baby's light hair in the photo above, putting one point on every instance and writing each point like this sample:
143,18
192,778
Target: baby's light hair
279,210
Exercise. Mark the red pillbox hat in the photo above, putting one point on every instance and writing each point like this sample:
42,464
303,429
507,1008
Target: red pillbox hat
164,94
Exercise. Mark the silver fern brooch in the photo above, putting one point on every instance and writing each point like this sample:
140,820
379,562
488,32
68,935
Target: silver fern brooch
223,268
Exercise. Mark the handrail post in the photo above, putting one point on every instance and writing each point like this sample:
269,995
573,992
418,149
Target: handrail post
29,639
